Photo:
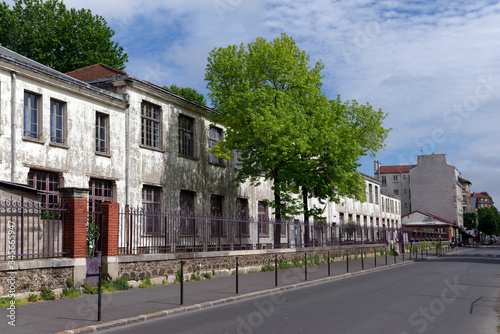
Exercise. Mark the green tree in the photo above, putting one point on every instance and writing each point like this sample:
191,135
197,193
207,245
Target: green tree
188,93
470,220
488,220
284,128
63,39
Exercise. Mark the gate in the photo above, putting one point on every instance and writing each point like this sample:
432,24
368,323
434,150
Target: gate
94,246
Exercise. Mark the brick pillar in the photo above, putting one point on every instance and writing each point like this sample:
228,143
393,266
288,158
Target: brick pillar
109,238
109,233
75,229
75,220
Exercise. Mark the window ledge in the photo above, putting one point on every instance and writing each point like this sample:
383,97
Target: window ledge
102,154
33,140
188,157
216,164
64,146
152,148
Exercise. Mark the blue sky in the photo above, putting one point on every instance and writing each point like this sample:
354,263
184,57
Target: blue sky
433,66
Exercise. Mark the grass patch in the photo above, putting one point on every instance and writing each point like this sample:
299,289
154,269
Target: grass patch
178,277
7,301
207,276
47,294
146,283
70,291
89,289
32,298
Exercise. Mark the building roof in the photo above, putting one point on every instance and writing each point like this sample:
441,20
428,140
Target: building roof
435,218
95,72
464,180
395,169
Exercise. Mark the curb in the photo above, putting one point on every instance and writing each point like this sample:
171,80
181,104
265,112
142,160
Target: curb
162,314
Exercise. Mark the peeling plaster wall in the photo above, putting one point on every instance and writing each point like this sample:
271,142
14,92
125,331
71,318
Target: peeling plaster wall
76,162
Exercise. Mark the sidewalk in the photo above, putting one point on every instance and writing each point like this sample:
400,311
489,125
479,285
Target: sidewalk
159,301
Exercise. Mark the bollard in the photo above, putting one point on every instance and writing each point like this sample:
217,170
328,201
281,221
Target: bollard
99,296
305,263
375,257
362,263
182,282
275,269
347,251
394,252
236,275
385,255
328,263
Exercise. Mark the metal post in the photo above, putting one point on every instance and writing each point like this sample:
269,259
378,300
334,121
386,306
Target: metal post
347,260
237,275
394,253
385,255
99,294
362,261
328,263
375,257
403,252
305,263
182,282
275,269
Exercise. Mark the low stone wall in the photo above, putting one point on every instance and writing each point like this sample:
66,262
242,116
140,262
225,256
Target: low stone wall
165,266
34,279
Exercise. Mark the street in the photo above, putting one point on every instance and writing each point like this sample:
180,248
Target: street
456,293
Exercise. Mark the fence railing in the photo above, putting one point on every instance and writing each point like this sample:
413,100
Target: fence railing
30,230
143,232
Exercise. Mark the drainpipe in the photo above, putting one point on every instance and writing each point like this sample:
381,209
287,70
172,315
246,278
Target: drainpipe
127,168
13,129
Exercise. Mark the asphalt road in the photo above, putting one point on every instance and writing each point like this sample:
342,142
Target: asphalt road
456,293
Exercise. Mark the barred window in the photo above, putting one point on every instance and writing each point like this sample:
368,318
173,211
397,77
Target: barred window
187,210
263,218
241,213
151,203
217,226
186,136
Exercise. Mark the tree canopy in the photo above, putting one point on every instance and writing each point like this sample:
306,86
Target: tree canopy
489,220
285,129
470,220
188,93
63,39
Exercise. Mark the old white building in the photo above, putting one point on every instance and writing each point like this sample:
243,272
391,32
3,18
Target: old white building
135,143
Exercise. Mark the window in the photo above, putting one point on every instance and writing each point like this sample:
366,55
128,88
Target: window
217,227
237,160
241,213
384,181
396,192
151,204
186,136
395,178
263,219
32,117
57,122
102,133
214,136
187,210
99,191
46,182
370,194
376,194
150,125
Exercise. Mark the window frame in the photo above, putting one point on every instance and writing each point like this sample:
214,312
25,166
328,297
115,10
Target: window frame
99,136
187,209
263,218
186,136
152,210
216,210
151,119
28,122
104,187
54,139
215,135
51,182
242,216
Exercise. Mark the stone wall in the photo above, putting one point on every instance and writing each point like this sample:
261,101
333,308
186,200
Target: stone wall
34,279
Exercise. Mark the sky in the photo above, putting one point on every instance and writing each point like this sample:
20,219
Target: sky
432,66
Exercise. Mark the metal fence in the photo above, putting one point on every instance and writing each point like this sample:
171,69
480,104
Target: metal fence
143,232
30,230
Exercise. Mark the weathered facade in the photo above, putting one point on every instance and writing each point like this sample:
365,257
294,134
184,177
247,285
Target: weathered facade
135,143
